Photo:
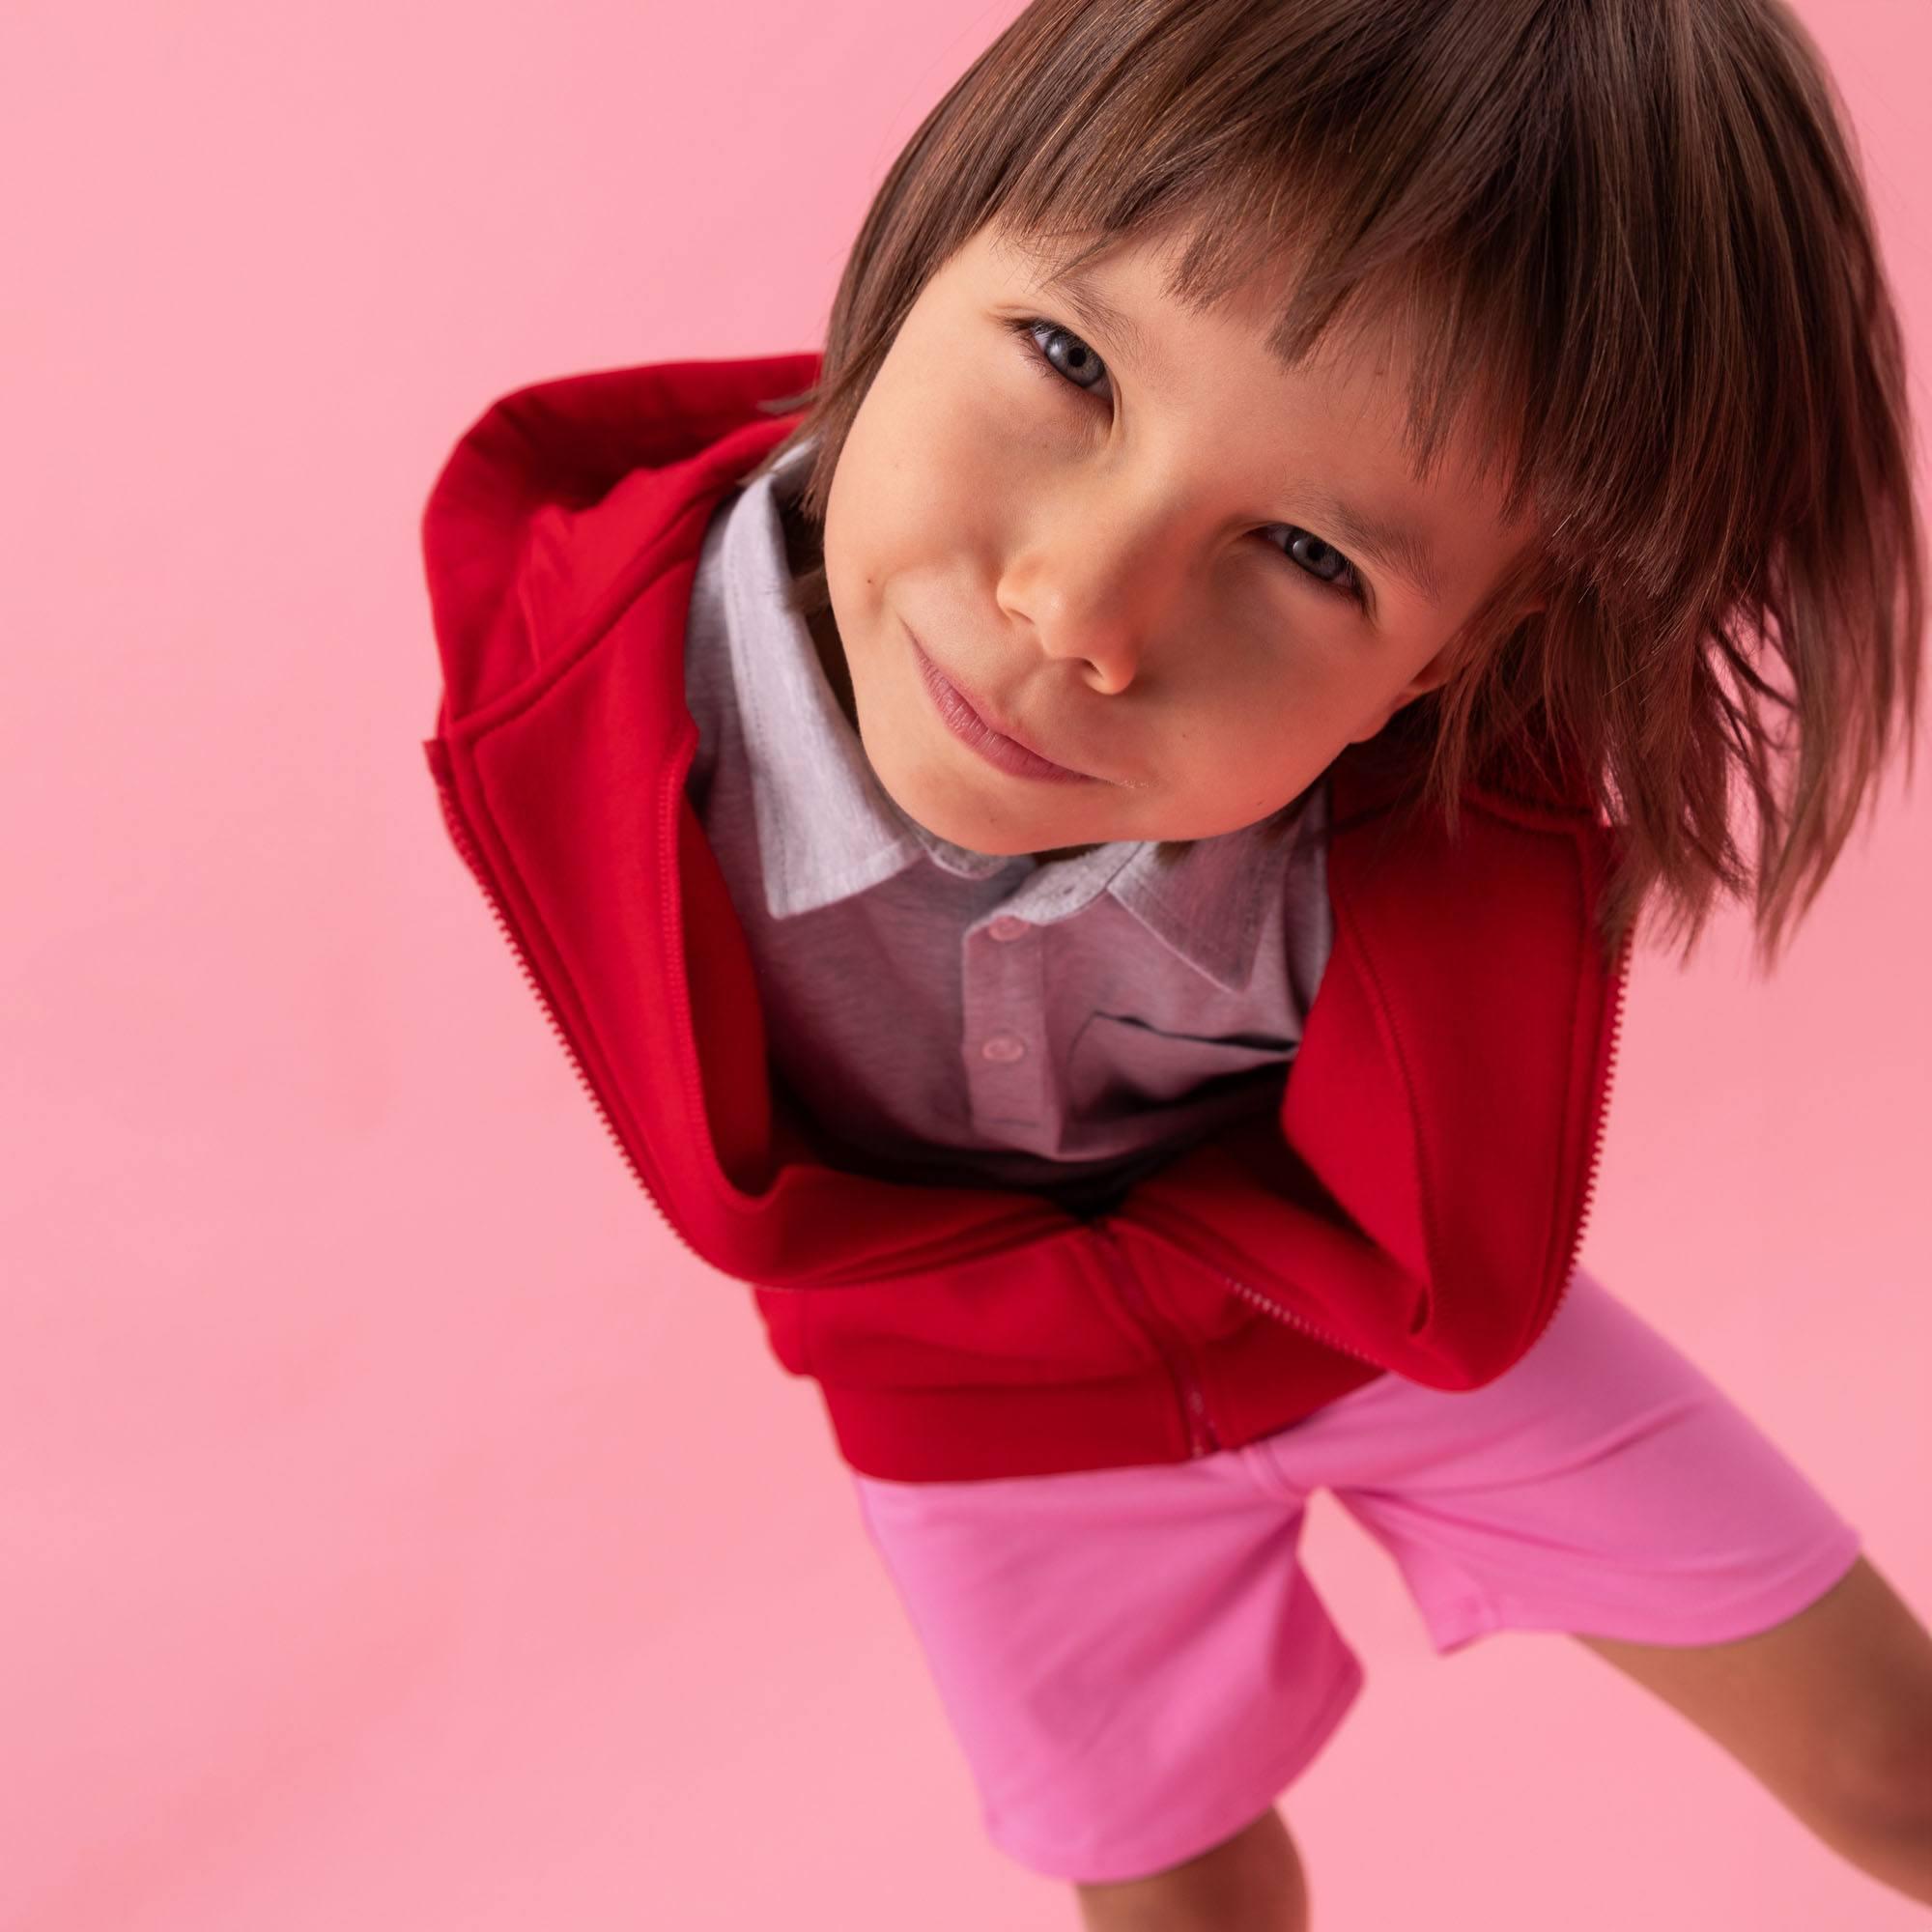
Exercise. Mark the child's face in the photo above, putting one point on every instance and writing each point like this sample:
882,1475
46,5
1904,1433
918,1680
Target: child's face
1127,559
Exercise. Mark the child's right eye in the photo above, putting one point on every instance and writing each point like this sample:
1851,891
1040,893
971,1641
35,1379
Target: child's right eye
1027,328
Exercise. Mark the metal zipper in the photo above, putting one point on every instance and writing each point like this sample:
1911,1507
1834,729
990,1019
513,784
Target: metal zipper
1177,1359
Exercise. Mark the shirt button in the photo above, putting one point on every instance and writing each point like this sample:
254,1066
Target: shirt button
1004,1046
1007,926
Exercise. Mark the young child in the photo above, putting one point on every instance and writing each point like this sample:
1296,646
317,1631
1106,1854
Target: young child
1086,844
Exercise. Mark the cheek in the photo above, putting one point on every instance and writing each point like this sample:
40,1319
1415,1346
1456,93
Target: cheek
906,524
948,430
1283,724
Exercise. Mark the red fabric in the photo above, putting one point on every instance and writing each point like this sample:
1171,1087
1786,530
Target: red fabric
1417,1206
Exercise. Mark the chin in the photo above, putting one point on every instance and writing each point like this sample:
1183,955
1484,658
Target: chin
975,838
972,833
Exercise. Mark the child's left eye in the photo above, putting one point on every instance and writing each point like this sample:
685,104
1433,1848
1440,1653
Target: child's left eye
1346,583
1028,329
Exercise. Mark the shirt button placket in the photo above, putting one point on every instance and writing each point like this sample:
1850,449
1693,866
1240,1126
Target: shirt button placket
1003,1004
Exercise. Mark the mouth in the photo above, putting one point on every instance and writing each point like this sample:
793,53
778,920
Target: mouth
969,720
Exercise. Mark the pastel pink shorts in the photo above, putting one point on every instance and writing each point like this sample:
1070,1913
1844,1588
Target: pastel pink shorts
1136,1667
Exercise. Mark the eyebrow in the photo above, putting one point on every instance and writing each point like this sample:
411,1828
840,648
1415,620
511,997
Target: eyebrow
1397,546
1076,287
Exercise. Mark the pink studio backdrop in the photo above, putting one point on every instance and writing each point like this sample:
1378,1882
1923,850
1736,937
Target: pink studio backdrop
399,1528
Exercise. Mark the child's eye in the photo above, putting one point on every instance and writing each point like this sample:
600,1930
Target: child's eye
1082,359
1327,566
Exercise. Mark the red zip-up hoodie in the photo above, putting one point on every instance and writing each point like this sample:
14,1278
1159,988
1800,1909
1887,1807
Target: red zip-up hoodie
1416,1205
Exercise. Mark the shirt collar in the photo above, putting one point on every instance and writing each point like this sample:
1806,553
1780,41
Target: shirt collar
828,829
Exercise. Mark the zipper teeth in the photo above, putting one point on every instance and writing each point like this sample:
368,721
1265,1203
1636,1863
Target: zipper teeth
1604,1108
466,846
1179,1233
1293,1320
460,835
1596,1140
1281,1314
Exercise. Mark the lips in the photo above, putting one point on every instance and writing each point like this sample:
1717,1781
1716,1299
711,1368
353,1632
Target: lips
943,683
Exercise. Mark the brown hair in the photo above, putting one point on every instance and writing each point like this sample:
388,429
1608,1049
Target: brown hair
1633,236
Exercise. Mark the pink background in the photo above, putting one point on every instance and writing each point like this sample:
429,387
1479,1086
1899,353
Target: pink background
398,1529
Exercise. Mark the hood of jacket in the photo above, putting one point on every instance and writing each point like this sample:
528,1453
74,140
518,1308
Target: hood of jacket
1416,1208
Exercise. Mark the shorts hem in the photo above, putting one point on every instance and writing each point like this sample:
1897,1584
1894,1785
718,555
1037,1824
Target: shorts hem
1745,1616
1151,1854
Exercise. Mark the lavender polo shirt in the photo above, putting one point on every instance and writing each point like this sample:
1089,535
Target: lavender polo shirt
958,1017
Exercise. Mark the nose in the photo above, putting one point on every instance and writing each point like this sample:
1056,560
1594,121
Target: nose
1091,583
